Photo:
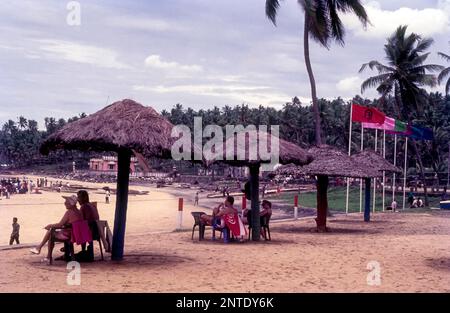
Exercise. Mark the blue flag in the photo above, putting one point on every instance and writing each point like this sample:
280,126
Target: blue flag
421,133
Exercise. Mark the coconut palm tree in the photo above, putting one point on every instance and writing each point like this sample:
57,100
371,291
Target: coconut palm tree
405,75
323,24
445,72
23,122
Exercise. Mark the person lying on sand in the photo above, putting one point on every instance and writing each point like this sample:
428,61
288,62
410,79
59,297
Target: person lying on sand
71,215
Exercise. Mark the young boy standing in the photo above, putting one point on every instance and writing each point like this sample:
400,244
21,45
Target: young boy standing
15,232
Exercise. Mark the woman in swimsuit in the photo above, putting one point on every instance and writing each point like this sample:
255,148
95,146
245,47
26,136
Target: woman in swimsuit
72,215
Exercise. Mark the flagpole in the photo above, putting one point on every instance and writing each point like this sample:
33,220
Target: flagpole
395,164
349,153
448,167
384,173
404,172
360,180
375,179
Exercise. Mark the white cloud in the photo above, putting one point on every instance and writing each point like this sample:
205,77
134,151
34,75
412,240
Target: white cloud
154,61
145,24
426,22
287,63
10,48
81,53
444,5
241,93
203,89
31,11
350,85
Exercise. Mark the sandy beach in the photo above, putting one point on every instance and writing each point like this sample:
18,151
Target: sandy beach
412,249
154,212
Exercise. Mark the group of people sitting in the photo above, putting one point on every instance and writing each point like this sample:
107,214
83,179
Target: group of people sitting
63,229
225,215
417,203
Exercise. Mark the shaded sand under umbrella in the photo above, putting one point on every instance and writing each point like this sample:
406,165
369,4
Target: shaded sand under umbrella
329,161
253,148
124,127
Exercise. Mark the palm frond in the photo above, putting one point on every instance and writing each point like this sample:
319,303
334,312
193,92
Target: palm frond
419,59
374,81
444,56
272,10
427,67
426,80
354,6
337,28
443,75
423,45
319,21
380,67
447,87
398,33
386,88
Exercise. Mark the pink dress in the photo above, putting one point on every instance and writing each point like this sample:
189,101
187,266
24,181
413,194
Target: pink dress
81,232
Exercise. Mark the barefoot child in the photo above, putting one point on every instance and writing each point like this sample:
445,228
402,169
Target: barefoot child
15,232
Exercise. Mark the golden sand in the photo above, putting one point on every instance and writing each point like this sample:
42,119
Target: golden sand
412,249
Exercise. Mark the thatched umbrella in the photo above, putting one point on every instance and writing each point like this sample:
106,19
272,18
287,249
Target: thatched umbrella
248,152
372,159
290,169
125,127
329,161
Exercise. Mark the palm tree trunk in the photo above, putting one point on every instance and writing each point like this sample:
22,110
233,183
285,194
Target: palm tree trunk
322,203
312,81
398,102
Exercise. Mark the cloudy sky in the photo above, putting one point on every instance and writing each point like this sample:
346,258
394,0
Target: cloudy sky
199,53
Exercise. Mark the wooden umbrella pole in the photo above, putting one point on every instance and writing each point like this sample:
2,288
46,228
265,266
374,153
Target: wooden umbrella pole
361,180
123,177
367,201
254,190
322,203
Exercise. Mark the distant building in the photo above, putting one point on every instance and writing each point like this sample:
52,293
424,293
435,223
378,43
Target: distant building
108,164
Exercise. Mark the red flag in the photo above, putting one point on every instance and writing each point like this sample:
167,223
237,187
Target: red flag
364,114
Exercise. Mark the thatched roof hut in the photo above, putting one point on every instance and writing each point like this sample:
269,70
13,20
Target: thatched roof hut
332,162
329,161
122,125
125,127
371,159
290,169
245,150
